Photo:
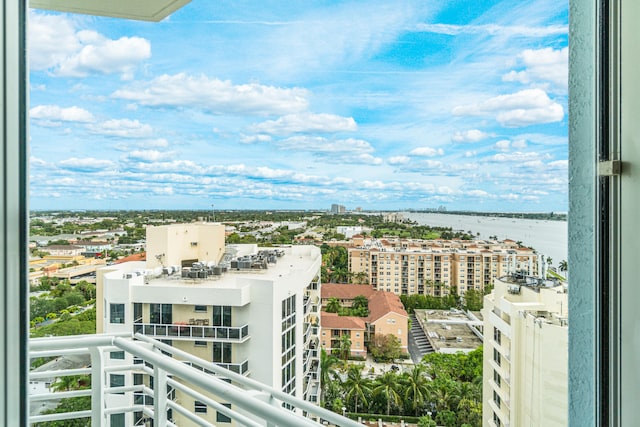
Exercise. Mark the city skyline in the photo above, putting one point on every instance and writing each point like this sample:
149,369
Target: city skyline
273,106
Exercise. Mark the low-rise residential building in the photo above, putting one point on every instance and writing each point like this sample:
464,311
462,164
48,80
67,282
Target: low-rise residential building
525,354
434,267
387,316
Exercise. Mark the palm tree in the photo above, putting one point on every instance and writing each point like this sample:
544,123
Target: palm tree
356,386
327,371
564,266
65,383
387,385
444,393
345,346
333,305
416,384
360,301
360,278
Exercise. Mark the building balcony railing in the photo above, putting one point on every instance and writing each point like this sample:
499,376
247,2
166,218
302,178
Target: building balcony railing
193,332
252,403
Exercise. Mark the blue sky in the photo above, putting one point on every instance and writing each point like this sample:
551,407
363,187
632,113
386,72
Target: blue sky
272,105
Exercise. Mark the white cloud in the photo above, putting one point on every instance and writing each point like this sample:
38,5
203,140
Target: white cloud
398,160
470,153
426,152
502,145
56,113
124,128
155,143
166,191
216,96
478,193
250,139
306,122
548,65
150,156
523,108
87,164
348,149
493,30
472,135
519,144
515,157
56,44
559,164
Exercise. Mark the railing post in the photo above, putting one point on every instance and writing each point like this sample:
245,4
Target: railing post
97,388
160,396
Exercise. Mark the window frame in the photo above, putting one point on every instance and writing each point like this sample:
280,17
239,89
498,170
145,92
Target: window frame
585,346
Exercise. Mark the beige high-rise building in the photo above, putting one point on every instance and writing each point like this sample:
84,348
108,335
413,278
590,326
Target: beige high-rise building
525,359
432,267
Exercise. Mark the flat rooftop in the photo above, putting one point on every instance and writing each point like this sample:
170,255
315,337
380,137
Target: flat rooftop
242,262
449,331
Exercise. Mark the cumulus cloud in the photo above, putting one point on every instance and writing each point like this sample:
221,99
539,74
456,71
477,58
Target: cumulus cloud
306,122
87,164
517,157
399,160
250,139
56,44
559,164
492,29
214,95
546,65
123,128
165,191
149,156
502,145
55,113
478,193
519,144
523,108
427,152
472,135
348,150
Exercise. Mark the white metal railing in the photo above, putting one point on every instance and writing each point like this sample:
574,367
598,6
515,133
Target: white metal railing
198,332
252,403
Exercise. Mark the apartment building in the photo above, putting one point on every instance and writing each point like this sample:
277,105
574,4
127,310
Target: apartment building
433,267
387,316
525,353
253,311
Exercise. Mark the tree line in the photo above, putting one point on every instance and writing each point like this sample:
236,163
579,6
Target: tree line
444,389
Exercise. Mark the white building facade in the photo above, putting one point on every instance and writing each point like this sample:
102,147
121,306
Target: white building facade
247,309
525,356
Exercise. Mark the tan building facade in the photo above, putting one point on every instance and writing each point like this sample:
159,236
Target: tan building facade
525,353
433,267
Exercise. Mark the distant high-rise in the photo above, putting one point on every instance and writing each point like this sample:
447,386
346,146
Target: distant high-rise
337,209
525,379
248,309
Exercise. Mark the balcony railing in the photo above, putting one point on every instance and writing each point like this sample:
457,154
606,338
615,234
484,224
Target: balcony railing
252,403
193,332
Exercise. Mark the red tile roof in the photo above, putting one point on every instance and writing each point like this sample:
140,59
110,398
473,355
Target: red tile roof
135,257
344,291
334,321
381,303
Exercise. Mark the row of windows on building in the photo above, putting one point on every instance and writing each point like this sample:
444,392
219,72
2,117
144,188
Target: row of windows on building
162,314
